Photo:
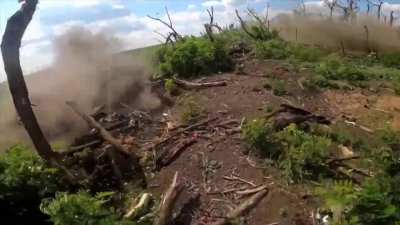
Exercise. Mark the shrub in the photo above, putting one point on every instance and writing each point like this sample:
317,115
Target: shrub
191,110
303,154
305,53
170,86
273,49
24,180
338,197
335,68
377,203
194,56
390,59
81,209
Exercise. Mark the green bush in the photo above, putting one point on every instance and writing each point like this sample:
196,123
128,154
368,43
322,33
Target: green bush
81,209
191,110
305,53
262,33
390,59
333,67
170,86
24,180
303,154
194,56
272,49
338,197
255,133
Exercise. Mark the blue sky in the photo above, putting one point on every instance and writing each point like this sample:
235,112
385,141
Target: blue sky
124,19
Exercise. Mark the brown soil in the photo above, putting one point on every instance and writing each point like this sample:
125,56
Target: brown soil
245,97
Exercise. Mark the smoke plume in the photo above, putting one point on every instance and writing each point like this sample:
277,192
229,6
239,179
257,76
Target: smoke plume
85,70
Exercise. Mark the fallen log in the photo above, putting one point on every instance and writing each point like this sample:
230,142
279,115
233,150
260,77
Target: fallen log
168,202
168,157
243,208
192,85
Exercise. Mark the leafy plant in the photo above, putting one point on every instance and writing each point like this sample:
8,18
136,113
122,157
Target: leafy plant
24,180
305,53
170,86
272,49
191,110
303,154
335,68
81,208
338,197
390,59
194,56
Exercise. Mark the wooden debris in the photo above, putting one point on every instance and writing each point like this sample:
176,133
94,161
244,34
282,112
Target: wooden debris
243,208
192,85
354,124
169,156
252,191
168,202
103,132
288,114
140,207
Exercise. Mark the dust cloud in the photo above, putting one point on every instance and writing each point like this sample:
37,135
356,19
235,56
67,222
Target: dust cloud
85,70
331,33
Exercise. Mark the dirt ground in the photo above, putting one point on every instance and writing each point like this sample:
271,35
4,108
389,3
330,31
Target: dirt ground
206,166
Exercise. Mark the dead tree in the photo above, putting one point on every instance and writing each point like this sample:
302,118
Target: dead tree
349,8
244,25
10,48
378,5
209,26
262,31
173,35
331,5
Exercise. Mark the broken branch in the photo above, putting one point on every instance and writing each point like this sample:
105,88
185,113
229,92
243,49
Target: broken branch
168,202
243,208
193,85
103,132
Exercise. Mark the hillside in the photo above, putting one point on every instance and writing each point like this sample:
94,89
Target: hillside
237,126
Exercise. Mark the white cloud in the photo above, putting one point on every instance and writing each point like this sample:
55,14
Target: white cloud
73,3
387,8
192,7
234,2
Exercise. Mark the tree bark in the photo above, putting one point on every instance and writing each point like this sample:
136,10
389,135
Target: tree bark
15,29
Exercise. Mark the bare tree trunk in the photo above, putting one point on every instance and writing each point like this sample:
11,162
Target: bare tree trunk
10,46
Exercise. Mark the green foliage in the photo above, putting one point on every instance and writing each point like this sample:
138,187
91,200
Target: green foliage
194,56
24,180
315,82
255,133
390,59
333,67
338,196
272,49
377,203
303,154
263,33
305,53
278,88
191,110
81,209
22,171
170,86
